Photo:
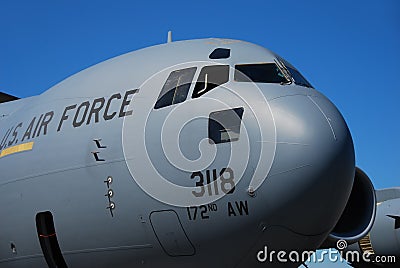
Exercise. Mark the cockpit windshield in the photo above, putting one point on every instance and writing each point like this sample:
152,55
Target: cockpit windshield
259,73
298,78
210,77
269,73
176,87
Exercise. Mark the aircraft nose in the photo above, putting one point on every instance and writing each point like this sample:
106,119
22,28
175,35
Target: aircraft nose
313,170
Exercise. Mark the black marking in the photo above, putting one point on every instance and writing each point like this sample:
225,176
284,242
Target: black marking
65,116
78,122
37,125
46,120
98,144
242,209
126,102
396,221
109,194
95,110
13,248
96,156
3,142
14,135
107,116
111,207
28,131
108,181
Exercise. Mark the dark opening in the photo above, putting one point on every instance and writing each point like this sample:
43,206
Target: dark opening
210,77
224,126
220,53
299,78
359,213
176,87
48,240
6,97
259,73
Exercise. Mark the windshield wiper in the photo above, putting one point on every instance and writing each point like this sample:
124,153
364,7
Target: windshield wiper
285,72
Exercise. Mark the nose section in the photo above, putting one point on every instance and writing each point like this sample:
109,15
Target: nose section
313,169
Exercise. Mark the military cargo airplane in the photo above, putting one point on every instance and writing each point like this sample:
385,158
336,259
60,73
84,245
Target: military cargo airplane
199,152
384,238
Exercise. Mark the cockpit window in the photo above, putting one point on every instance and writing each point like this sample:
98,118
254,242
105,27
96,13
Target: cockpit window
224,126
269,73
220,53
298,78
259,73
210,77
176,87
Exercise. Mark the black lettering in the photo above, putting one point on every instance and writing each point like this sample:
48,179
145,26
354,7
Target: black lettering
194,213
106,115
46,120
4,140
212,207
242,208
95,110
231,211
215,181
126,102
227,181
203,213
37,125
208,182
86,105
15,134
199,183
29,130
65,116
188,212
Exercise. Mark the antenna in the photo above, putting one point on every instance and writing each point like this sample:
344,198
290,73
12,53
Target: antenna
169,40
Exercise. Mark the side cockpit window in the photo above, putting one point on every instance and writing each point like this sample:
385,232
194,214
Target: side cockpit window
210,77
224,126
299,78
176,87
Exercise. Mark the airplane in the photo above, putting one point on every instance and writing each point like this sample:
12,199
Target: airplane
198,152
384,238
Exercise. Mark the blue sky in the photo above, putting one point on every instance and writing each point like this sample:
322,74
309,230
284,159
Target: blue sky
349,50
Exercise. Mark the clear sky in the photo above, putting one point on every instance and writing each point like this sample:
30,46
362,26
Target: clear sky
349,50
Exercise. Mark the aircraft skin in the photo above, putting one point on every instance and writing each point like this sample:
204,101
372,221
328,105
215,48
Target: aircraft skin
84,165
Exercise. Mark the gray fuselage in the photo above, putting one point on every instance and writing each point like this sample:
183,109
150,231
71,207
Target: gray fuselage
279,172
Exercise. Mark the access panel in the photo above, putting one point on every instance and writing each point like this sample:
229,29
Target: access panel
170,233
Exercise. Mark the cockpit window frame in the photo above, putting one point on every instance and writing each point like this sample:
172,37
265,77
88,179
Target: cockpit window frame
298,78
224,125
173,86
286,72
220,75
